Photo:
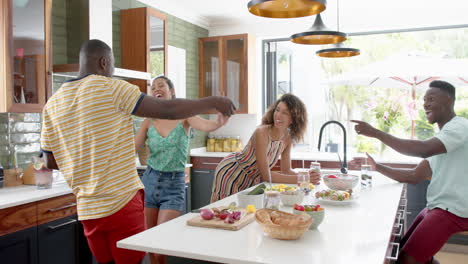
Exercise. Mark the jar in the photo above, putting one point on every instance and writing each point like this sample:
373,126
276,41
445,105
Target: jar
218,144
210,143
239,145
272,200
227,144
234,143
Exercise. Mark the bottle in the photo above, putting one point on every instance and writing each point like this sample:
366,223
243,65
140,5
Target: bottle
210,143
226,144
366,176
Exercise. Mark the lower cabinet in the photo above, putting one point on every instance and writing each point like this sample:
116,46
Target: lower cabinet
58,241
201,184
19,247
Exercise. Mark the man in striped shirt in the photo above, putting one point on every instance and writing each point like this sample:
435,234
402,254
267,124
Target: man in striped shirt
87,133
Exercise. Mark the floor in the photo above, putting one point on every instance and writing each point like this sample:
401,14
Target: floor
453,254
451,258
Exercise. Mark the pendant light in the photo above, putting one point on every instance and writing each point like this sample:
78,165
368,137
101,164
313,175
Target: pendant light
319,34
338,50
286,8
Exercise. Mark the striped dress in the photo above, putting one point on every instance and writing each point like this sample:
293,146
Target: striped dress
238,171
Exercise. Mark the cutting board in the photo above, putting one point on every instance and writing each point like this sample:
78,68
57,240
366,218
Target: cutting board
219,224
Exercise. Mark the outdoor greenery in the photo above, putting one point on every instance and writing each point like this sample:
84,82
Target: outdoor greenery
157,62
389,109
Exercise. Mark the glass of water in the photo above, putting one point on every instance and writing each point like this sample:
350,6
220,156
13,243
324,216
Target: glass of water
303,180
366,176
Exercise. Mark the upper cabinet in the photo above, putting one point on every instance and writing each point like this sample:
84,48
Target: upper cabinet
25,57
144,42
227,69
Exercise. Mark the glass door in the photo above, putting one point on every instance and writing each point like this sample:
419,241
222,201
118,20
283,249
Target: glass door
234,66
28,49
210,68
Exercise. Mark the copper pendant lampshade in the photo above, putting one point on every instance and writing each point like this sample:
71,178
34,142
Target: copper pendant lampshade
338,51
286,8
319,34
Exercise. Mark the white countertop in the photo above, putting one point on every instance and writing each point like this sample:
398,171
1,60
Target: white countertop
304,155
358,232
23,194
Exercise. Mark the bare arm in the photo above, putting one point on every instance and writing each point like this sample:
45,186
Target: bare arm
261,144
50,162
207,125
140,137
417,148
183,108
422,172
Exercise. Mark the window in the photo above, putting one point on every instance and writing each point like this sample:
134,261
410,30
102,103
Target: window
383,86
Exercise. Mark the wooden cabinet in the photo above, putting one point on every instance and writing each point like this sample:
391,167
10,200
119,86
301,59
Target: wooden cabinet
226,68
144,42
25,55
43,232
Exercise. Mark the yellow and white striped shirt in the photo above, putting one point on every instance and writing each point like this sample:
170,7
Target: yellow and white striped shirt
88,127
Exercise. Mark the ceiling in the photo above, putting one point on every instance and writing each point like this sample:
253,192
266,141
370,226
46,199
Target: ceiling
355,16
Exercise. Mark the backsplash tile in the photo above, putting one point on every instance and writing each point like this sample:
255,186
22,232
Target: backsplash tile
19,138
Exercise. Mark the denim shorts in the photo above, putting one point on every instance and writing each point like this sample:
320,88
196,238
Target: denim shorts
164,190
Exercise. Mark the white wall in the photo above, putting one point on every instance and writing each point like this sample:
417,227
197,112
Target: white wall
242,125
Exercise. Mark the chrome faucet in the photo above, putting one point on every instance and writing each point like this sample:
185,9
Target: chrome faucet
344,165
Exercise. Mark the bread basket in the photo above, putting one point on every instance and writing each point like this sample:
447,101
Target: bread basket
283,231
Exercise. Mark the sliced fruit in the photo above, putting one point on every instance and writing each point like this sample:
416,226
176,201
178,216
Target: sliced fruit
250,208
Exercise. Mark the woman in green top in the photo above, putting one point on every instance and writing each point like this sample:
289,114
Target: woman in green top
168,141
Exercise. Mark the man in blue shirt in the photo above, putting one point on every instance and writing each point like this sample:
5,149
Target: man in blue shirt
445,163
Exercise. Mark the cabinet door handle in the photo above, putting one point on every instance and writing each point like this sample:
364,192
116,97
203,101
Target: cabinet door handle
71,221
61,208
210,163
400,227
201,171
397,246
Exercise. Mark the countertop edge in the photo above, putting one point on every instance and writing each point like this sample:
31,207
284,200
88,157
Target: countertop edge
33,194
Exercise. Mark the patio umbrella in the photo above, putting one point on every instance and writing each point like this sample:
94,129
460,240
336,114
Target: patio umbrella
407,71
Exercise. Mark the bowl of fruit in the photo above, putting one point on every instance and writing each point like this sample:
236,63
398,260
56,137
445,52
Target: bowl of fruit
315,211
291,195
340,181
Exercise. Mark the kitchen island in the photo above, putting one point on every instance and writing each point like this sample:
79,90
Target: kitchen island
359,232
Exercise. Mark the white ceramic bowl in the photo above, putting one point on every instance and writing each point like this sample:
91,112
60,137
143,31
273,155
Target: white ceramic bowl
291,199
244,199
316,215
342,182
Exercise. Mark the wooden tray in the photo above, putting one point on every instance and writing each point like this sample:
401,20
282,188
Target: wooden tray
219,224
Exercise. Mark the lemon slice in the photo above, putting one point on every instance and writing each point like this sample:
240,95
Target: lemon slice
38,165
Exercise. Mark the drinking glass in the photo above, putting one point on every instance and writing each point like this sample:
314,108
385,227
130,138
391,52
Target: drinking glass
303,180
43,175
366,176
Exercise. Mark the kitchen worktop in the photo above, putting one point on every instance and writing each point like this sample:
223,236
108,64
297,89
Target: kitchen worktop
307,155
356,233
23,194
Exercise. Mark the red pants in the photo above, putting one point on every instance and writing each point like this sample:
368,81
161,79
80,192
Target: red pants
430,231
103,233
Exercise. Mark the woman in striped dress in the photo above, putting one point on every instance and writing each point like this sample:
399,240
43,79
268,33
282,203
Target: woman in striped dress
282,125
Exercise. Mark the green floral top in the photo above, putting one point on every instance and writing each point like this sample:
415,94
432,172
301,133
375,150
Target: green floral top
168,153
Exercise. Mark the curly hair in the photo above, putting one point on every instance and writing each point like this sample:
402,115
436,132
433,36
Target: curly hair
298,115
